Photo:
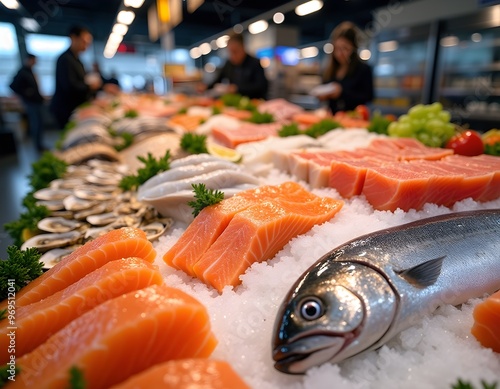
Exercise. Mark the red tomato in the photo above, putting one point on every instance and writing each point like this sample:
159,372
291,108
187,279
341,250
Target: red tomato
363,112
466,143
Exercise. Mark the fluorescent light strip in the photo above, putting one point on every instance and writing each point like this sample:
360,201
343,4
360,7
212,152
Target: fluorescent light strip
10,4
258,27
387,46
309,7
133,3
125,17
120,29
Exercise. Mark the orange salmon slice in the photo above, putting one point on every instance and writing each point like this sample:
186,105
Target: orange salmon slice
257,234
117,244
119,339
187,374
38,321
212,221
486,328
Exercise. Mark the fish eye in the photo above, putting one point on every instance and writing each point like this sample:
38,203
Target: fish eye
311,309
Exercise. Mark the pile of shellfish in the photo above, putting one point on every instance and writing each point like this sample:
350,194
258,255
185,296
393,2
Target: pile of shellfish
88,203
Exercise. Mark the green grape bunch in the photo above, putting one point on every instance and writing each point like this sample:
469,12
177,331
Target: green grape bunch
430,124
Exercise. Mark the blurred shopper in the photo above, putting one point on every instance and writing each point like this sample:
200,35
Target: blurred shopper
241,73
351,78
72,87
25,86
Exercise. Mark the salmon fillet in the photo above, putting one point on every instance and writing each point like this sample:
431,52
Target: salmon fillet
187,374
123,243
257,234
212,221
38,321
120,338
248,132
486,328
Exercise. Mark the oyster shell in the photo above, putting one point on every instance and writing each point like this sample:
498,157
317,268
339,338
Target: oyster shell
54,256
57,224
51,194
52,205
73,203
156,229
102,219
103,181
66,183
95,210
92,193
45,242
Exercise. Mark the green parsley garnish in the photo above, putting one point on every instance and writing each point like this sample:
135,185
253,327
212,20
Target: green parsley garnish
76,379
204,197
21,266
467,385
193,143
289,130
131,113
321,128
151,168
261,117
45,170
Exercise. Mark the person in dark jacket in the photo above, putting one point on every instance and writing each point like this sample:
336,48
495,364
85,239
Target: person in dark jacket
352,78
25,86
72,87
241,73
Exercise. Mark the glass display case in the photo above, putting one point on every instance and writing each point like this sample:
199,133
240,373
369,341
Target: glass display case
399,68
468,70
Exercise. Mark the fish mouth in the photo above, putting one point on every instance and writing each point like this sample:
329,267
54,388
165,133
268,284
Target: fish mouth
308,351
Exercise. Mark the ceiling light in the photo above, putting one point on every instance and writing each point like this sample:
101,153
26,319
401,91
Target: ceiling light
238,28
115,38
10,4
309,7
133,3
214,45
222,41
449,41
258,27
29,24
328,48
385,47
265,63
309,52
210,67
365,54
125,17
205,48
120,29
476,37
278,18
195,52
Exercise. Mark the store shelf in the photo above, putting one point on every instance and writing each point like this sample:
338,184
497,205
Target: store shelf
462,92
397,92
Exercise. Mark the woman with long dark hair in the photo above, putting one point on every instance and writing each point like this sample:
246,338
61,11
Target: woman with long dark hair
350,77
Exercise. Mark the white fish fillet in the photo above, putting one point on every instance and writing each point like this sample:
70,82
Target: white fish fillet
176,205
193,160
214,180
182,172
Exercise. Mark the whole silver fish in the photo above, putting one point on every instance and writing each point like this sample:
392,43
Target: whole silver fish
365,292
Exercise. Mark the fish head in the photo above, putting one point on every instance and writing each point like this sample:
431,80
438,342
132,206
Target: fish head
335,310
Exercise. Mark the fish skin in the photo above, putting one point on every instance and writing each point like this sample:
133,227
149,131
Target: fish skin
372,278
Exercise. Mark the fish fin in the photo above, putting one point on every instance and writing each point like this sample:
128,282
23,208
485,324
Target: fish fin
425,274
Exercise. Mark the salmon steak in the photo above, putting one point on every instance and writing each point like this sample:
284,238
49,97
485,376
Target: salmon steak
117,244
38,321
120,338
486,328
225,239
186,374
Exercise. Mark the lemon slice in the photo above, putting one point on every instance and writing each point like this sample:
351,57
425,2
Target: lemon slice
224,152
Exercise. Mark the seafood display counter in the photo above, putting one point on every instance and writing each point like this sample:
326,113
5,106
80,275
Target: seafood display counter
235,243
